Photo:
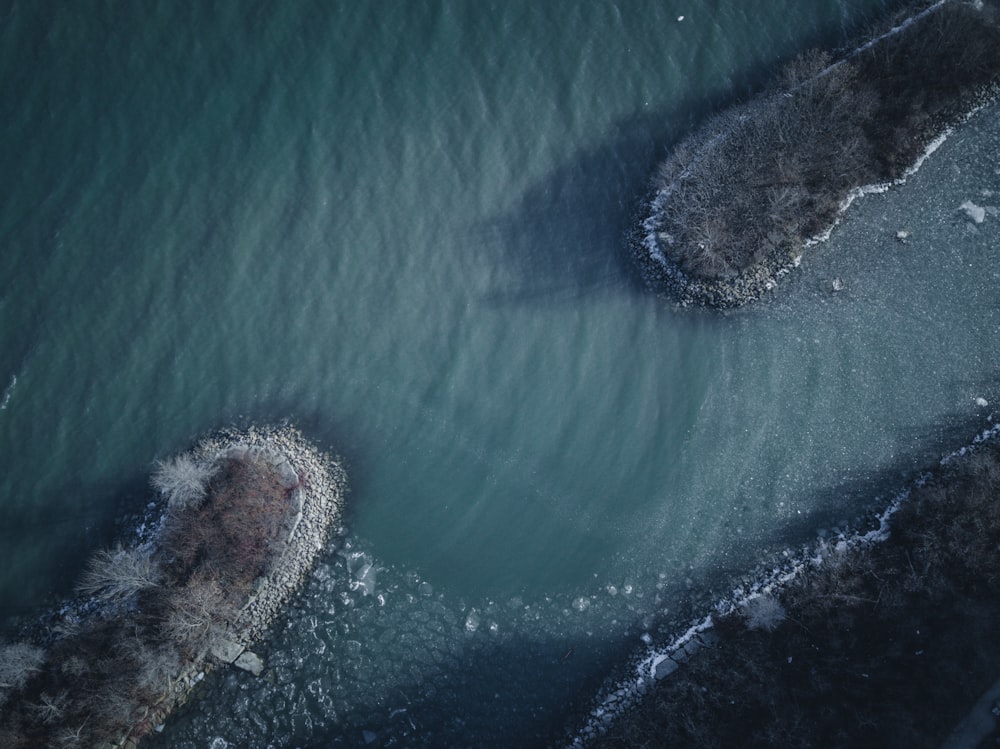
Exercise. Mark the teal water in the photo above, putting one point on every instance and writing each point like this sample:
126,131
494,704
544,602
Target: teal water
400,226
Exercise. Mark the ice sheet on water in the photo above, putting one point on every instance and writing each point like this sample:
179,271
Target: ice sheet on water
406,665
976,213
365,579
472,621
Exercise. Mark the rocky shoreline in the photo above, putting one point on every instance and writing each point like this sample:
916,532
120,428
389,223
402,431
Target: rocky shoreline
787,591
318,486
665,276
667,251
246,515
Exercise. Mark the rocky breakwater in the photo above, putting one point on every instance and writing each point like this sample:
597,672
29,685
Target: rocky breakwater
317,485
738,201
246,515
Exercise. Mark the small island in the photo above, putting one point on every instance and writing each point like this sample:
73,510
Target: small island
246,514
737,201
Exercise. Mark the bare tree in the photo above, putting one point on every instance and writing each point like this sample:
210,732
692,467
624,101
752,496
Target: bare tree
71,738
197,612
50,708
116,709
183,480
17,663
764,612
118,574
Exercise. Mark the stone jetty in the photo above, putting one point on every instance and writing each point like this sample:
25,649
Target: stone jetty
245,515
318,484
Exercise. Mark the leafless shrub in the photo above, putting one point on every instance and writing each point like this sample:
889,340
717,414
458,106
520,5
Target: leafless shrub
115,710
804,68
71,737
183,480
196,613
68,627
158,668
50,708
984,466
118,574
764,612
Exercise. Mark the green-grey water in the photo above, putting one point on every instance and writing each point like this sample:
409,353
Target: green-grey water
400,226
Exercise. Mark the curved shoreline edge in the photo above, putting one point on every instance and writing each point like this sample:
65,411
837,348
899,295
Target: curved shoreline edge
655,250
755,283
658,663
320,485
247,514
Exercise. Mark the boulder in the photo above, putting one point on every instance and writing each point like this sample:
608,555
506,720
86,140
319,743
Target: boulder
226,651
664,667
250,661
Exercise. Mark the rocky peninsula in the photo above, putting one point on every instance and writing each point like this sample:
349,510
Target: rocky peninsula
246,514
736,203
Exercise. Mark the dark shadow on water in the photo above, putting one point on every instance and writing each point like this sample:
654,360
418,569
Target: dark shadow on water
72,531
462,705
568,235
565,237
466,706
